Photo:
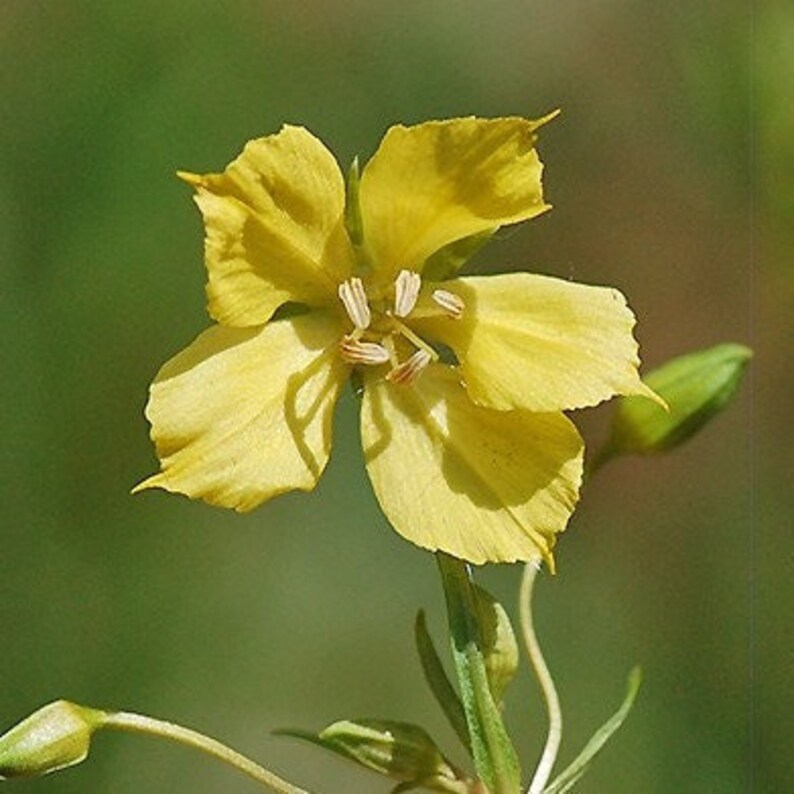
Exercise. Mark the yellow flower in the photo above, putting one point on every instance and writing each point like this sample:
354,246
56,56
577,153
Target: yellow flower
465,379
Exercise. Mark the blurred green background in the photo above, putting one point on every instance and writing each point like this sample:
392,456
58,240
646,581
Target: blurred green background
667,172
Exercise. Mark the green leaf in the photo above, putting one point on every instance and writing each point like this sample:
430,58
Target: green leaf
437,680
443,264
566,780
494,756
398,750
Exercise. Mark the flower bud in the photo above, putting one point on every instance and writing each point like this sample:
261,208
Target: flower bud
398,750
54,737
499,646
696,388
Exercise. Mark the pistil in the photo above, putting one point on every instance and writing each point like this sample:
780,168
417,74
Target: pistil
415,340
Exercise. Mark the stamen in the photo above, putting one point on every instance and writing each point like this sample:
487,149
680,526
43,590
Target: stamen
354,299
355,351
406,291
407,372
452,304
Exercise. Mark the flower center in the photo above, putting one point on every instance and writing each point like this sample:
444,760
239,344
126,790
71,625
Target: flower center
380,332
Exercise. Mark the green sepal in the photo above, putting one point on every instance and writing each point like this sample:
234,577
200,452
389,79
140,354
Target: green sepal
354,225
357,383
566,780
499,646
288,310
494,756
398,750
445,262
696,387
437,680
56,736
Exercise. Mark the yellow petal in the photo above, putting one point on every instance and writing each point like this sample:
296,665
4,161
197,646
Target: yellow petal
480,484
274,228
244,414
540,343
441,181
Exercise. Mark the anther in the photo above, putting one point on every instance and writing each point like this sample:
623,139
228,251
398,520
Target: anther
406,291
407,372
452,304
354,299
355,351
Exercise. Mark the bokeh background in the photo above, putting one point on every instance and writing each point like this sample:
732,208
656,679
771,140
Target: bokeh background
667,170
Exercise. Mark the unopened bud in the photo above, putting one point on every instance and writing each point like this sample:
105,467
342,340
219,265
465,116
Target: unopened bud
499,646
54,737
696,388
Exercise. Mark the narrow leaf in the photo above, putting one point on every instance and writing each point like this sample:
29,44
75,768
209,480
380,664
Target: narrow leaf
437,680
566,780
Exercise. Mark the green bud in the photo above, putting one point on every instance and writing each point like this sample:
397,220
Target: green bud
54,737
499,646
399,750
696,387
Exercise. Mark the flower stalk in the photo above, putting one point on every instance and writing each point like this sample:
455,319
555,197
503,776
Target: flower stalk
137,723
546,682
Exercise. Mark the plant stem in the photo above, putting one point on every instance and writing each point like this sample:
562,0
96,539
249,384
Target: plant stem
494,757
137,723
549,756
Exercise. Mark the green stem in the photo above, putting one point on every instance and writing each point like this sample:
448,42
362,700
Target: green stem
136,723
494,756
549,756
